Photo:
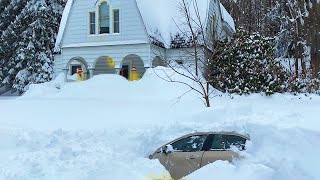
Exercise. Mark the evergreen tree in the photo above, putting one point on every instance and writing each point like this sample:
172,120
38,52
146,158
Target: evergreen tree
9,10
28,42
248,66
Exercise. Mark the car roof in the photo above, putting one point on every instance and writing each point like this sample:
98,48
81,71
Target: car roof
247,137
222,132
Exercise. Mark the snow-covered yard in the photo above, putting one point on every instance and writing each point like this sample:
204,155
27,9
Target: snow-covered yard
104,128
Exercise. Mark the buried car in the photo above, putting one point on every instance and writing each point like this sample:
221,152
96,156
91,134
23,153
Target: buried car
188,153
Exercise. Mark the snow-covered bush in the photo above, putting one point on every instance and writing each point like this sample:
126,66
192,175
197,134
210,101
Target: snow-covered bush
305,86
247,65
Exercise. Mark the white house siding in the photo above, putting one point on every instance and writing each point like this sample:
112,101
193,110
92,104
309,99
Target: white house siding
77,28
132,39
116,52
214,10
224,35
156,51
184,54
58,64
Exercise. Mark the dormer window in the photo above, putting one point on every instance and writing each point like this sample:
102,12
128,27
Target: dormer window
116,21
92,22
104,18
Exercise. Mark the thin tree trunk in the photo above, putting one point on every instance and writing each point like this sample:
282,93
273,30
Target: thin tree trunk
302,60
296,61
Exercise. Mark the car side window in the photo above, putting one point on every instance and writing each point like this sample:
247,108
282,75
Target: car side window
225,142
189,144
237,141
218,143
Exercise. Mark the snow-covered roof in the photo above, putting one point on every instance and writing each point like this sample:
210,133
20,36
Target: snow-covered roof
162,19
63,24
227,17
165,18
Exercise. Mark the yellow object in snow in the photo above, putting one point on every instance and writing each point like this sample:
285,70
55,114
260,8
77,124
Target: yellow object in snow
134,75
159,177
110,63
79,78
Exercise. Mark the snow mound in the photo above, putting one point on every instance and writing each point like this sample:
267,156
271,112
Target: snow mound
45,89
105,128
111,86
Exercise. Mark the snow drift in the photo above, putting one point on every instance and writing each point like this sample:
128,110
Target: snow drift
105,127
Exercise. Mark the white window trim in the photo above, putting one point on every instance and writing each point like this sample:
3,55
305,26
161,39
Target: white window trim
89,23
113,21
99,35
110,14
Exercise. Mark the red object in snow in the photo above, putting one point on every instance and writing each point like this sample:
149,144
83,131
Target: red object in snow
79,70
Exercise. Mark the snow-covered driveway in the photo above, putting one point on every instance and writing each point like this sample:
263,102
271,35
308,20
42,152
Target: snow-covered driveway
104,129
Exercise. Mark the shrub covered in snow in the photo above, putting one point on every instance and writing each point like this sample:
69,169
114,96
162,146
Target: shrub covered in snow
247,65
304,86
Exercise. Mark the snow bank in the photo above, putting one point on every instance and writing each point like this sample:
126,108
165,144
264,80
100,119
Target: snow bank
45,89
104,128
111,86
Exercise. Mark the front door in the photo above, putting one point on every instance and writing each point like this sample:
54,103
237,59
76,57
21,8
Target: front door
186,157
74,69
125,71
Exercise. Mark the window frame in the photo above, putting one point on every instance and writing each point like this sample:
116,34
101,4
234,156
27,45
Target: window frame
107,17
235,143
181,139
224,146
223,136
113,21
90,23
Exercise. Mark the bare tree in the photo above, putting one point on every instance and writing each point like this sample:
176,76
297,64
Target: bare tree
197,46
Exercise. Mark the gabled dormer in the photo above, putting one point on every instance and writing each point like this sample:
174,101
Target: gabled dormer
101,22
104,19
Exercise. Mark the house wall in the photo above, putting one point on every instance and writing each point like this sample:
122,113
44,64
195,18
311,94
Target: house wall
132,39
77,27
57,65
214,10
184,54
156,51
91,54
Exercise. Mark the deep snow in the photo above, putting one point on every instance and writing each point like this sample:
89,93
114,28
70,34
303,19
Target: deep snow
105,127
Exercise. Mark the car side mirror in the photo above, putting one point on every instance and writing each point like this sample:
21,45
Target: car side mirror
168,149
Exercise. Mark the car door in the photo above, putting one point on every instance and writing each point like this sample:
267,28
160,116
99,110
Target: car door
221,148
186,156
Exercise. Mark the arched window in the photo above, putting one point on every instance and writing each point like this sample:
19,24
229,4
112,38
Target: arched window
104,19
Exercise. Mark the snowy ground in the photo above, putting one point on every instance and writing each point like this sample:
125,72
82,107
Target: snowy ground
105,127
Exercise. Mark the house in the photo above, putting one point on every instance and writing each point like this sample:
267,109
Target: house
114,36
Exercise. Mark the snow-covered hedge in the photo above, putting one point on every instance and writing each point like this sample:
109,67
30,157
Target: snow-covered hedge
247,65
304,86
